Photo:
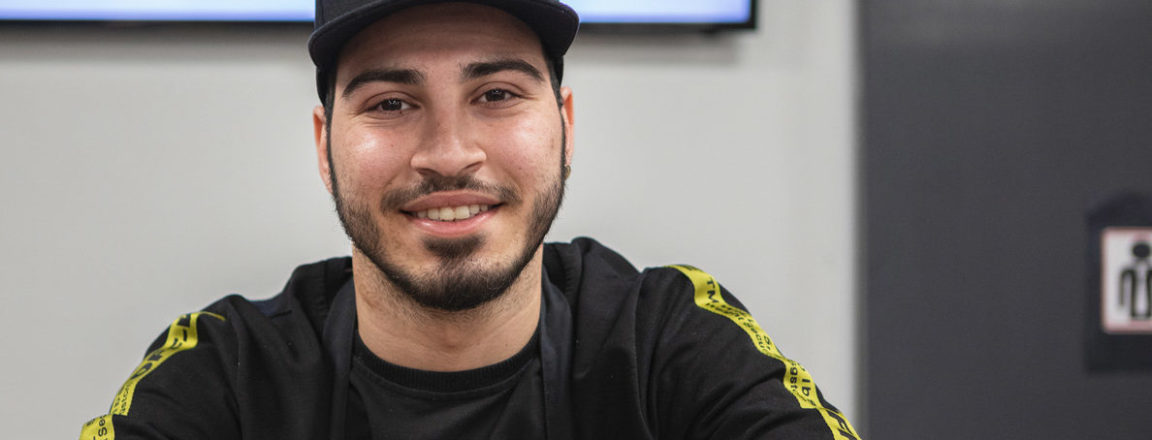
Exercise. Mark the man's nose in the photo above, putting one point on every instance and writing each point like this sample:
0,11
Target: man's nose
449,146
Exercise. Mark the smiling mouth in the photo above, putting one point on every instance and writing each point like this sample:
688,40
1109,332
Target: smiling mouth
452,213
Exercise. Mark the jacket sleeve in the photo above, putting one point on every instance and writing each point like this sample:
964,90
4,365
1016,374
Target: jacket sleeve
180,390
717,375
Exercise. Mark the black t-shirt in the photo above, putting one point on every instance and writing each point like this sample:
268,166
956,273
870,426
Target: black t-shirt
666,354
499,401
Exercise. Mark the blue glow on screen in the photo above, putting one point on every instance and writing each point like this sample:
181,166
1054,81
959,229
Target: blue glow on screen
591,11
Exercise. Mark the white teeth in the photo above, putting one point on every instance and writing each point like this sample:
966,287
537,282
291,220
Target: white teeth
452,213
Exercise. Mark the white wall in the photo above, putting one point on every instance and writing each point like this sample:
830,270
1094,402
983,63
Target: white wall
150,171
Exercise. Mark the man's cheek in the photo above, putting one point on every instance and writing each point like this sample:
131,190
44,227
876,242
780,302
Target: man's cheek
375,168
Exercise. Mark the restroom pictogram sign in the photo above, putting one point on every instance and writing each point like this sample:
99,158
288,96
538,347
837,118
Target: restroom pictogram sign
1126,280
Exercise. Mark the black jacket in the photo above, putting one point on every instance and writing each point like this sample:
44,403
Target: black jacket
660,354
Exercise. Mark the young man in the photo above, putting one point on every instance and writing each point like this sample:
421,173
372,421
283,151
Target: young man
445,139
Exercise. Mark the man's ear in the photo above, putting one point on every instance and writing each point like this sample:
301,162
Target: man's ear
567,115
320,128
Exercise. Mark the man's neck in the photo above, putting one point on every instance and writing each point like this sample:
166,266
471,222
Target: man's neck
399,330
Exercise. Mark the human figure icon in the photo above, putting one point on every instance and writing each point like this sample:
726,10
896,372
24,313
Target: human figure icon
1136,283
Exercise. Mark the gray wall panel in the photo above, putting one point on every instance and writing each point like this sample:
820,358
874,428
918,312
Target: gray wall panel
989,128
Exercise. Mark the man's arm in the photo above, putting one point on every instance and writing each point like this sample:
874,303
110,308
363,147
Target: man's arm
719,376
181,388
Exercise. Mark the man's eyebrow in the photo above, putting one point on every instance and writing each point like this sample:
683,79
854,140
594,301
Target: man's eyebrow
401,76
482,69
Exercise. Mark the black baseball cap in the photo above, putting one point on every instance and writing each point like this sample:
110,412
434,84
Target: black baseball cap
338,20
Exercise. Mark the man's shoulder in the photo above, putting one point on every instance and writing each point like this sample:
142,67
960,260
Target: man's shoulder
309,291
587,267
296,312
304,300
202,373
583,257
671,347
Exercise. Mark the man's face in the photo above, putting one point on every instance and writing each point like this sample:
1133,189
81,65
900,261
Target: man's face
445,146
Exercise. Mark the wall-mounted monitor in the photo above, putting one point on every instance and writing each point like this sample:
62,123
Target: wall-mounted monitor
704,14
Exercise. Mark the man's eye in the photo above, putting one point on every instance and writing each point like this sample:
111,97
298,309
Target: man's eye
392,105
496,95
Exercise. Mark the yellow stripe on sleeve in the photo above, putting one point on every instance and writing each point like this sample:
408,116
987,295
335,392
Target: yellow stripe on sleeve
99,428
796,378
182,335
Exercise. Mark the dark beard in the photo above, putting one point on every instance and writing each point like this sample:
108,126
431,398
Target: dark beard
454,285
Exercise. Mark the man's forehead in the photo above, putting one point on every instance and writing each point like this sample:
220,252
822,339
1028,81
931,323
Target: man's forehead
461,66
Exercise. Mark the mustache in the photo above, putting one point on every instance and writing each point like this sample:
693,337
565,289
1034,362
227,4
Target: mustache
430,184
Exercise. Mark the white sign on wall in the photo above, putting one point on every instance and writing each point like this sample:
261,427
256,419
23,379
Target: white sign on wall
1126,280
